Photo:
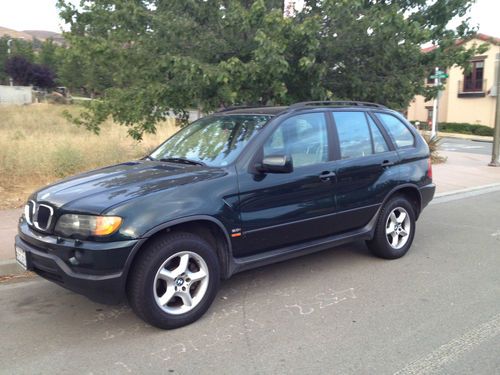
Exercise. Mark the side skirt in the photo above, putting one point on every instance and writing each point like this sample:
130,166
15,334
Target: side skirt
297,250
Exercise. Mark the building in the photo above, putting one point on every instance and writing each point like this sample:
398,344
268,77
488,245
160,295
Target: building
467,98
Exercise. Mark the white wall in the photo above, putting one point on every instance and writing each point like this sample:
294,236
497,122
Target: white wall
15,95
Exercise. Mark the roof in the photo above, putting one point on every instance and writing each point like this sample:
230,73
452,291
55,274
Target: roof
483,37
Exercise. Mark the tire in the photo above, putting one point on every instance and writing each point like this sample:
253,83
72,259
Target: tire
174,280
389,240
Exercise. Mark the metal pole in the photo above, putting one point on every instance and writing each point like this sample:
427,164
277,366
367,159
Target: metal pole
495,152
9,42
435,104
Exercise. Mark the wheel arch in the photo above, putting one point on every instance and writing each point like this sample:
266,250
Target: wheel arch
207,227
411,192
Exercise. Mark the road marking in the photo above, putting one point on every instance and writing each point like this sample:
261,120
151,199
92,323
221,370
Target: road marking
321,300
433,363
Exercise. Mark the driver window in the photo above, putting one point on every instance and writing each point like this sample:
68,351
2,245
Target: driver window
304,137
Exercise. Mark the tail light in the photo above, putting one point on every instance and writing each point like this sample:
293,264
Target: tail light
429,169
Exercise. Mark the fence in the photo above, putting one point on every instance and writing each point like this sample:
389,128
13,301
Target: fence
15,95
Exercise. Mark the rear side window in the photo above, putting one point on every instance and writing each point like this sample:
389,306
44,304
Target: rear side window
400,134
379,144
357,136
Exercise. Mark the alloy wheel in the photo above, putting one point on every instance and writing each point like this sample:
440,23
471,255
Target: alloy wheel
398,227
181,282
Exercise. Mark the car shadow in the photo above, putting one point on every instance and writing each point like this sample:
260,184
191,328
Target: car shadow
50,305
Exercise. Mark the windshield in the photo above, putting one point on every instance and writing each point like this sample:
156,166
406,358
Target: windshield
215,141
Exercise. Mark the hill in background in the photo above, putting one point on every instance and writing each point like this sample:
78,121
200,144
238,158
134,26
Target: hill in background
29,35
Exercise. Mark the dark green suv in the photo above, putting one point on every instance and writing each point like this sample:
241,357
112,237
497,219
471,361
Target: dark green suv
232,191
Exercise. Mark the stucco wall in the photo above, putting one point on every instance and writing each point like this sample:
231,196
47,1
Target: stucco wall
15,95
473,110
469,109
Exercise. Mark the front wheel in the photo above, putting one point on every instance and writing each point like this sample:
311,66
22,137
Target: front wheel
174,280
395,229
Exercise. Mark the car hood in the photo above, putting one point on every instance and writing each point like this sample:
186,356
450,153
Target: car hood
98,190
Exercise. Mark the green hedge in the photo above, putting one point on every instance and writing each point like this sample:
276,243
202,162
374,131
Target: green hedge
462,128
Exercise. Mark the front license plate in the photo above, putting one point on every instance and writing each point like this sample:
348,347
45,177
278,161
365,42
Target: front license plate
21,257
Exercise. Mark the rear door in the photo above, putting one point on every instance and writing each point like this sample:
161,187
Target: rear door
365,171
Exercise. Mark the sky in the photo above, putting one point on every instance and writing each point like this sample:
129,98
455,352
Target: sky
42,15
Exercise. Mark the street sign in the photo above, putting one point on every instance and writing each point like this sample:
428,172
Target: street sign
439,75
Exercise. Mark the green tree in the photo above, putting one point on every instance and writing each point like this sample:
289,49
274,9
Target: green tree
47,55
150,58
372,49
3,59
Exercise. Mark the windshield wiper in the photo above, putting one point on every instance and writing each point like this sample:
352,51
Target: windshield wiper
183,160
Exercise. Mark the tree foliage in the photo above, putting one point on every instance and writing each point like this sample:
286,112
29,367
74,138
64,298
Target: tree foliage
150,58
25,73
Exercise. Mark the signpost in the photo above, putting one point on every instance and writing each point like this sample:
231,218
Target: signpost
437,76
495,152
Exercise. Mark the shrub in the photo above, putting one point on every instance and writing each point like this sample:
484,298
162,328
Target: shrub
433,144
464,128
459,127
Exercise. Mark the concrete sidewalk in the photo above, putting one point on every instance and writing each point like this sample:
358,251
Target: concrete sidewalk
461,171
464,171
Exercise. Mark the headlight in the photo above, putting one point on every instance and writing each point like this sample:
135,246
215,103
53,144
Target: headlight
86,225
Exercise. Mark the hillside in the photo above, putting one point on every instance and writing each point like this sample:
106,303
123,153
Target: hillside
43,34
30,34
4,31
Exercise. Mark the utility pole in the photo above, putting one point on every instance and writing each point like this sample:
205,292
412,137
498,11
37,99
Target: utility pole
495,152
9,42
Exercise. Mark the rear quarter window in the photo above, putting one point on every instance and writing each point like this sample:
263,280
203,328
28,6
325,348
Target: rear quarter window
399,132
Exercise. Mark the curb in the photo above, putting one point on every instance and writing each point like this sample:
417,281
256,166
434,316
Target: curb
470,137
465,193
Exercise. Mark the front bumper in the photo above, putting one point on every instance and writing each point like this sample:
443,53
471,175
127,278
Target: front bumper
93,269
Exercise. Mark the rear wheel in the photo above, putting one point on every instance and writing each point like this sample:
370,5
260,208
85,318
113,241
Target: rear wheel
174,280
395,229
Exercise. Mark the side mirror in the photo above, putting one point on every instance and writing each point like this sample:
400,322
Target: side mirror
276,164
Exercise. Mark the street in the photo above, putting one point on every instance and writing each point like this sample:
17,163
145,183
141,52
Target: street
465,145
341,311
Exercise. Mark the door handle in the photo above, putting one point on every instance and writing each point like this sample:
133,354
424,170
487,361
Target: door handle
387,163
326,175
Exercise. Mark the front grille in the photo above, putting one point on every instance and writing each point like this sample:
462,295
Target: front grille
42,216
29,211
38,215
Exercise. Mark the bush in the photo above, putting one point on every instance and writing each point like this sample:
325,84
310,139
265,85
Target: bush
433,144
464,128
459,127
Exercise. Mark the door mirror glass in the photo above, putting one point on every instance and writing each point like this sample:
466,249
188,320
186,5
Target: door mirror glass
276,164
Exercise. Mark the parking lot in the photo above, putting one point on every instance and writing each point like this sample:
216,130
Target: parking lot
436,310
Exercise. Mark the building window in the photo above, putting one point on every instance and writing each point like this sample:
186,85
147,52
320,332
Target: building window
473,81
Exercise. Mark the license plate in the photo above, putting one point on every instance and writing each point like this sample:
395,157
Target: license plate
21,257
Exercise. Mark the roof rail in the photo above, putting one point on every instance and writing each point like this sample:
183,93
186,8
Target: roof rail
232,108
339,103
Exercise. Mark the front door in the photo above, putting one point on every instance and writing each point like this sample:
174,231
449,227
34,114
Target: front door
284,209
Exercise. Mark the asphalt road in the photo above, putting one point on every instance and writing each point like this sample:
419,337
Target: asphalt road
465,145
341,311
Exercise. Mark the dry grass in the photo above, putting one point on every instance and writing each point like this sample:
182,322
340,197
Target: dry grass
38,146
